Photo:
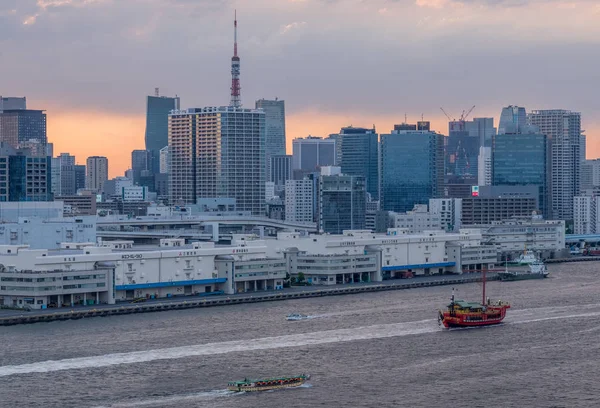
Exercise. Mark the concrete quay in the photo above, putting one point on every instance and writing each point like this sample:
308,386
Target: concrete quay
12,317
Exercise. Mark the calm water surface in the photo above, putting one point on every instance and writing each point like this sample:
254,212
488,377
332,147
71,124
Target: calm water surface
368,350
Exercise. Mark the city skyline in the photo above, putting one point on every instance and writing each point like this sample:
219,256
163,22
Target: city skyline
443,57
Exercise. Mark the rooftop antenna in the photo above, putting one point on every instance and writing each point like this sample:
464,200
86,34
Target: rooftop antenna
156,93
405,118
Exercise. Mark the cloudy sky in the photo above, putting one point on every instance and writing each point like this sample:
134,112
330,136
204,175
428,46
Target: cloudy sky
90,63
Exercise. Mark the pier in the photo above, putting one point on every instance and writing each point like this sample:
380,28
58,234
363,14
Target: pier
160,305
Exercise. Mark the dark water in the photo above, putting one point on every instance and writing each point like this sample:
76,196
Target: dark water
369,350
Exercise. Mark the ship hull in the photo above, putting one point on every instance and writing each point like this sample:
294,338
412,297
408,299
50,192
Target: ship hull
473,319
509,277
265,388
451,324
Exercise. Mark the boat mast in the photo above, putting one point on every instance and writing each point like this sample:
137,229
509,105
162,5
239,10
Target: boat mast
483,275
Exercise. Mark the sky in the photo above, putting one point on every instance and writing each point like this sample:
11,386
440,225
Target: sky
90,63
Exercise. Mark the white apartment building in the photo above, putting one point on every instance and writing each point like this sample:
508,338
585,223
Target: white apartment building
449,210
164,160
299,197
218,152
269,190
484,166
585,214
564,129
417,220
96,173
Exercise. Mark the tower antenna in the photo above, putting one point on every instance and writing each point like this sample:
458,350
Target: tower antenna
236,101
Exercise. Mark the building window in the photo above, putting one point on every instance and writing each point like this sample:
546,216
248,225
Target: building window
130,267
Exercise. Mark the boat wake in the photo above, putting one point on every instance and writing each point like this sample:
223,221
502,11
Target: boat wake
380,331
161,401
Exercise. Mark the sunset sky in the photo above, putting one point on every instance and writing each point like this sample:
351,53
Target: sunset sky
90,63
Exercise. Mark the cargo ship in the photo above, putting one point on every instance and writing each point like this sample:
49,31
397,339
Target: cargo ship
537,270
460,313
247,385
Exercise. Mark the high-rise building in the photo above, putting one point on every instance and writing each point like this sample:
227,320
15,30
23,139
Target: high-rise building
412,168
23,125
141,160
342,203
483,129
157,126
26,178
524,159
311,153
96,173
462,153
218,152
275,130
281,170
563,128
164,160
484,166
63,180
299,200
357,155
79,176
586,214
12,103
512,120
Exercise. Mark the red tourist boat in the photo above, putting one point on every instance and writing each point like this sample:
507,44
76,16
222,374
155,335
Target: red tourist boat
470,314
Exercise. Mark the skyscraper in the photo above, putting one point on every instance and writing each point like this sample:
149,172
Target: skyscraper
299,200
484,166
563,128
483,129
157,127
512,120
522,159
313,152
26,178
164,160
141,160
412,168
218,152
79,176
275,129
96,173
357,155
462,153
281,170
12,103
63,178
342,203
23,125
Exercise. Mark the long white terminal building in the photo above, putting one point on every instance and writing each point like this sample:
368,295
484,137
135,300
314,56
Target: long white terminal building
118,271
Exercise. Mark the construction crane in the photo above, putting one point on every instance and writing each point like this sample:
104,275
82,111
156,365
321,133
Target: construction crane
448,116
464,115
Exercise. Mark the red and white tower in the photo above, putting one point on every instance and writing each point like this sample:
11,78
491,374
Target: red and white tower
236,100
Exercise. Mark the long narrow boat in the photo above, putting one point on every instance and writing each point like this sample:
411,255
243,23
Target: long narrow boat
471,314
267,384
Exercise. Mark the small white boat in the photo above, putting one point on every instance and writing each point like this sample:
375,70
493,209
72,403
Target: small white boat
296,316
